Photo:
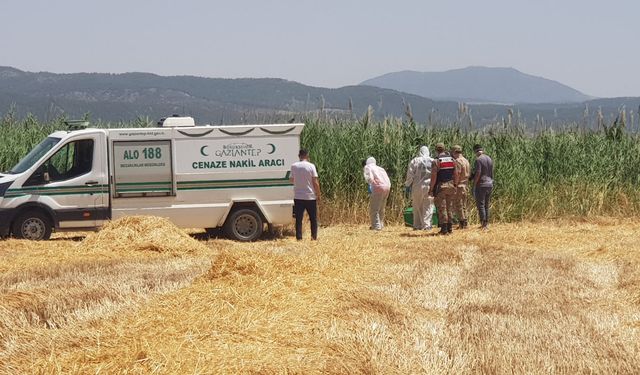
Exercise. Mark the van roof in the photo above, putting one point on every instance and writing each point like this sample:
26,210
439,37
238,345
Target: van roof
66,133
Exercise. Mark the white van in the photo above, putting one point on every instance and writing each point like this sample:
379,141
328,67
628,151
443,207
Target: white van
234,177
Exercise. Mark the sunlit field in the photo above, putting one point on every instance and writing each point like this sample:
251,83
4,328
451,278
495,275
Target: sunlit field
539,173
550,297
553,287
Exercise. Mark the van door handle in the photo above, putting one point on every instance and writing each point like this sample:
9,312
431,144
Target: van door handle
91,183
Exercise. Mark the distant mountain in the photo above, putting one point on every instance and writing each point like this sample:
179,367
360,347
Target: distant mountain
480,85
123,97
129,96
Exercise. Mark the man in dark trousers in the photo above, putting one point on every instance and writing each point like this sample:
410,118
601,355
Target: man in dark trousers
306,193
482,184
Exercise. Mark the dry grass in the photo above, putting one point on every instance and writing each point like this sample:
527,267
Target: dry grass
559,297
140,233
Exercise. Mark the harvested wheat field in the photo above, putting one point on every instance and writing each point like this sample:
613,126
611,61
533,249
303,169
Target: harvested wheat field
561,297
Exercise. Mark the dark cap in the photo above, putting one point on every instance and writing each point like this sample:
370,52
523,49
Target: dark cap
477,148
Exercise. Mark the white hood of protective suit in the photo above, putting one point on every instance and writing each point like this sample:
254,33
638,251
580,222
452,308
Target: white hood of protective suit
419,171
376,176
424,153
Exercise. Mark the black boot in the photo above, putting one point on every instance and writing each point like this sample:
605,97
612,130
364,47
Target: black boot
463,224
485,225
449,228
444,228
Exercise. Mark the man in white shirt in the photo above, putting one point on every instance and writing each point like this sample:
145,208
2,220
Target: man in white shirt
306,189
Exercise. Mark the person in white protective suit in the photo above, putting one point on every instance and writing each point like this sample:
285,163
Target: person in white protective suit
418,181
380,186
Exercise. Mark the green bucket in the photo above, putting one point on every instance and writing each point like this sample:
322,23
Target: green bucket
408,217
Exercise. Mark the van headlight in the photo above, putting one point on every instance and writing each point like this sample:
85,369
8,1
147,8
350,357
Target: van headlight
4,186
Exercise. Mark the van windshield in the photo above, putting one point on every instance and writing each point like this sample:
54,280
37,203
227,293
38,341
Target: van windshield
36,154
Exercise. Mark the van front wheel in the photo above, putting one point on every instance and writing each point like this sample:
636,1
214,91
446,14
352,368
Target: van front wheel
244,225
32,225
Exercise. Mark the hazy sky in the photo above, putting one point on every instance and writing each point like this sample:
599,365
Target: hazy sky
587,44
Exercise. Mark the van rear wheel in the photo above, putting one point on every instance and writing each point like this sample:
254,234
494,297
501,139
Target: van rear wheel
244,224
32,225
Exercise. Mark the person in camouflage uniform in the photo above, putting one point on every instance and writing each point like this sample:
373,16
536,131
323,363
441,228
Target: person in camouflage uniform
463,170
443,187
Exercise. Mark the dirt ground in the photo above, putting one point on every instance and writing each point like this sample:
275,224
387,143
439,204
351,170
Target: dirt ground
555,297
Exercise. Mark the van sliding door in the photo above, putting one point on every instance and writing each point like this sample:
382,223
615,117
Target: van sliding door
142,169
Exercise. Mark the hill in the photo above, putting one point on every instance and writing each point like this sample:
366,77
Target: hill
480,84
129,96
123,97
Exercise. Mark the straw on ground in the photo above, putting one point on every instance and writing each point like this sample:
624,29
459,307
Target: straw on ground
525,298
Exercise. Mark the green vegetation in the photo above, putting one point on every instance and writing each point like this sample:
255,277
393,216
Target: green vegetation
542,175
17,137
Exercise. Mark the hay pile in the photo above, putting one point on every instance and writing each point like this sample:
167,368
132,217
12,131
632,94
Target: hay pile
142,233
520,298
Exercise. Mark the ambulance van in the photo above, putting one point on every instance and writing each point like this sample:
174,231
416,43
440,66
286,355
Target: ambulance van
231,177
